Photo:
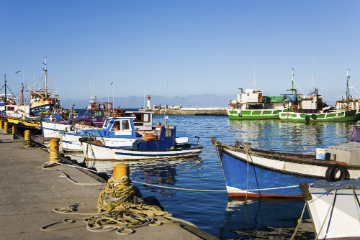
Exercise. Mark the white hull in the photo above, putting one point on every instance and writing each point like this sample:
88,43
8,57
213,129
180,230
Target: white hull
70,142
339,218
95,152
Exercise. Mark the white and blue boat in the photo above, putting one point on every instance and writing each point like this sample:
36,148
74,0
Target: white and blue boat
158,145
262,173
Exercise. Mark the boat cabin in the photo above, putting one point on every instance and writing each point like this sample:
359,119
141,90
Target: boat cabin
347,152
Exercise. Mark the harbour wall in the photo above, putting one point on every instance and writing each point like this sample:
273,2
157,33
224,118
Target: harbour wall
191,111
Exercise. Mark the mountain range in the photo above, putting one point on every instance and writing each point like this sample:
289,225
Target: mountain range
205,100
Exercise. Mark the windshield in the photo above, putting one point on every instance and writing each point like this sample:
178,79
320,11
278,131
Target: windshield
106,123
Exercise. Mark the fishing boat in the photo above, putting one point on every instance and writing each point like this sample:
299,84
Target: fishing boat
253,105
92,118
265,173
43,100
159,145
334,208
313,109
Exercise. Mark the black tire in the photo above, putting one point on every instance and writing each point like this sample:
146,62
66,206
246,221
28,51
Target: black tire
83,139
307,118
331,172
313,116
239,114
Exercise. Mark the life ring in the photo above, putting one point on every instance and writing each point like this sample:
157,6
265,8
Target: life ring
307,118
59,111
101,104
149,136
332,171
240,114
107,105
313,116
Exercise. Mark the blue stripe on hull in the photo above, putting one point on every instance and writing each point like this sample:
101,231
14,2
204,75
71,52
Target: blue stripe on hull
235,172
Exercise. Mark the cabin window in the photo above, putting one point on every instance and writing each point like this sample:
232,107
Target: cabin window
10,108
259,94
122,125
98,114
168,133
125,125
116,126
146,117
106,123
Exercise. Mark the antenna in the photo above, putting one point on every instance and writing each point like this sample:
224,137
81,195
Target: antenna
112,83
292,80
254,74
347,85
166,118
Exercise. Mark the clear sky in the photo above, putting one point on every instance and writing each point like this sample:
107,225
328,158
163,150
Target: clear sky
197,46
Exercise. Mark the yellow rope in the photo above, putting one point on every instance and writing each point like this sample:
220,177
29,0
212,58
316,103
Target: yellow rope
299,221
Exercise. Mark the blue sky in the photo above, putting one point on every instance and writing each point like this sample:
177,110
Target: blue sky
197,46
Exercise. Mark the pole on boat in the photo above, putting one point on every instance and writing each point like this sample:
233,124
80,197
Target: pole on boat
347,87
5,92
292,80
45,69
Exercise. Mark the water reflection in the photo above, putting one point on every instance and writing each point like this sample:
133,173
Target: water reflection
264,219
290,137
206,209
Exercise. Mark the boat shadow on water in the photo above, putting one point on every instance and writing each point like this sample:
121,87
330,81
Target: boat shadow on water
266,218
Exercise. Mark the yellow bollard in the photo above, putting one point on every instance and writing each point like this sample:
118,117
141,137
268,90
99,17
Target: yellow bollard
1,124
122,170
27,138
54,150
6,127
14,132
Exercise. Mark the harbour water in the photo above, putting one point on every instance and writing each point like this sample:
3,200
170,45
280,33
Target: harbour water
214,212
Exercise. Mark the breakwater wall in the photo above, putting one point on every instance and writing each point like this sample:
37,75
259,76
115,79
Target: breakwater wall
191,111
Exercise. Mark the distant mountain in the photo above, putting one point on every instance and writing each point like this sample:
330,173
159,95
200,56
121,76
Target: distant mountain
206,100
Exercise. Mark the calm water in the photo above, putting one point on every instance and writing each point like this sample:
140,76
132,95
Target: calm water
214,212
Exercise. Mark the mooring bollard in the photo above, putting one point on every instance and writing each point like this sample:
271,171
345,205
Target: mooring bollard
122,170
6,127
1,124
27,138
54,150
14,132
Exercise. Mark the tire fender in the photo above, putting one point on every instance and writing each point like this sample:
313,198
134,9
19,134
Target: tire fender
331,172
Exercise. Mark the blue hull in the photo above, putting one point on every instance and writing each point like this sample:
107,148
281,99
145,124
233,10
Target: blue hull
270,183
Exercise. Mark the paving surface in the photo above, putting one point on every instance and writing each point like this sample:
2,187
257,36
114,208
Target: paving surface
29,194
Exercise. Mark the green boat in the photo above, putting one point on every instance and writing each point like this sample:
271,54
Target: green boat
312,109
252,105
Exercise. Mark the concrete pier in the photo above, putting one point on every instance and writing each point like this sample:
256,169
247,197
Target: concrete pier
29,194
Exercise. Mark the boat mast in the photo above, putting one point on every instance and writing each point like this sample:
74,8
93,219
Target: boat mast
292,80
5,90
45,79
347,87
